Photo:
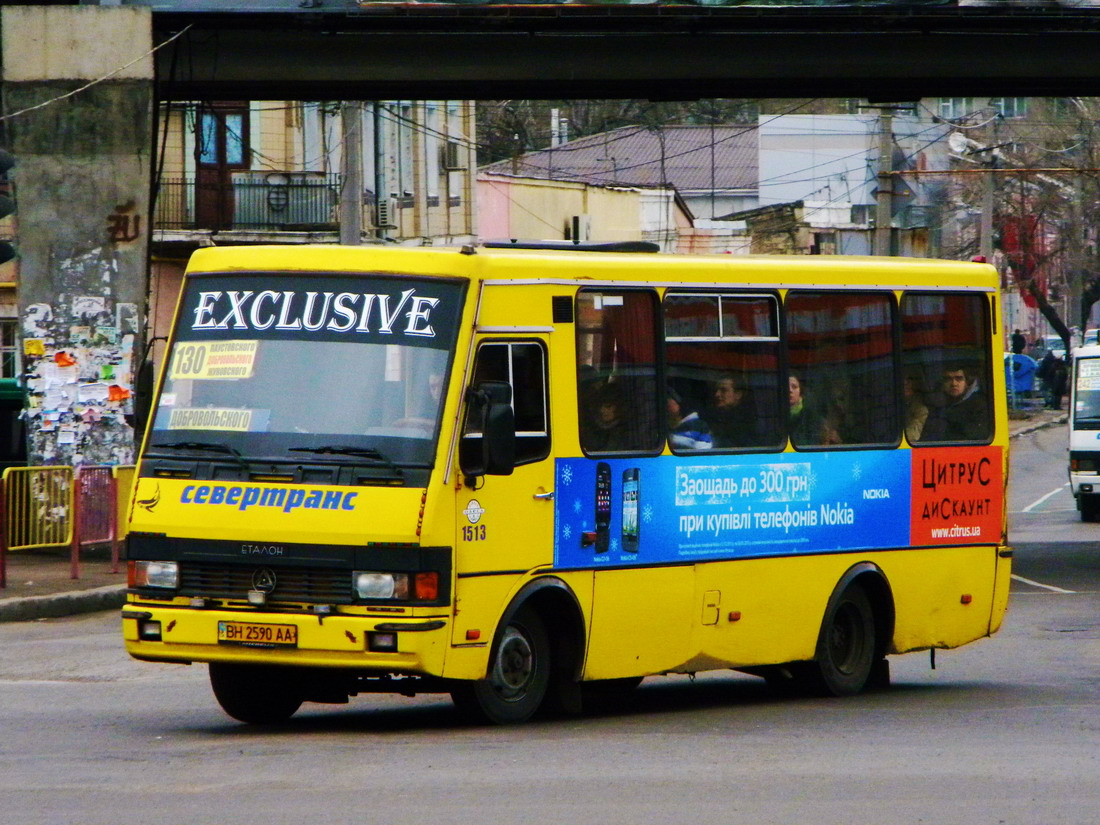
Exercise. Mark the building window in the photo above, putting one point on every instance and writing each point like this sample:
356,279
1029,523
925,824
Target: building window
953,108
9,359
1009,106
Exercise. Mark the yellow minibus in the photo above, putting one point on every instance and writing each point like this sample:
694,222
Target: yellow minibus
529,474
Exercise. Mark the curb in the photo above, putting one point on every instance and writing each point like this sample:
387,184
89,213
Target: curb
1042,425
57,605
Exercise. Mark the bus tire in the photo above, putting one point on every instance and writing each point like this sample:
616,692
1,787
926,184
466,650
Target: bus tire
255,694
1090,511
846,645
519,674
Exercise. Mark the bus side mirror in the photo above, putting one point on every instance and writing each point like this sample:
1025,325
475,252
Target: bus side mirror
489,447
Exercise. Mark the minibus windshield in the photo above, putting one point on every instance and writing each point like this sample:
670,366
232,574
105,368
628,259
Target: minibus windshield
1086,399
317,368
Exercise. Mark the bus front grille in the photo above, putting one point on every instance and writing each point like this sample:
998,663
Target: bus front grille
291,584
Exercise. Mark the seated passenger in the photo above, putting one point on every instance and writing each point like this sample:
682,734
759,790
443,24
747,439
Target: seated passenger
964,415
730,415
602,421
839,426
687,431
916,411
804,425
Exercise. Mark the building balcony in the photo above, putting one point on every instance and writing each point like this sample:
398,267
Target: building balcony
248,203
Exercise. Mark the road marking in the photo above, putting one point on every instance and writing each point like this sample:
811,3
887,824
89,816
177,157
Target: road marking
1035,504
1044,586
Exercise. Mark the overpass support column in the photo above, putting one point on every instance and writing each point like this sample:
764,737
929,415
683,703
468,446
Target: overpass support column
77,105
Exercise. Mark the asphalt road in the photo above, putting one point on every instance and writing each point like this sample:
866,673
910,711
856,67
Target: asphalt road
1006,730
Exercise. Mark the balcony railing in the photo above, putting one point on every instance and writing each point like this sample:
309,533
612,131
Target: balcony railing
258,201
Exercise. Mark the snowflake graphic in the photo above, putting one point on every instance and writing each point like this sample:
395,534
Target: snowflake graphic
811,480
567,532
857,471
647,513
614,545
577,506
566,474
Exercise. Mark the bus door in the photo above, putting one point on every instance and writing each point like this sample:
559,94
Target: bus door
505,523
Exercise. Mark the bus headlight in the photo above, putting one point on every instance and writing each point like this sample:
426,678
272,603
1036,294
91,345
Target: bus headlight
370,585
164,574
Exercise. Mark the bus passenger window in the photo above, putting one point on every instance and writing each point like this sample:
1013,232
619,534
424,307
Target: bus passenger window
946,364
523,365
722,369
617,371
840,349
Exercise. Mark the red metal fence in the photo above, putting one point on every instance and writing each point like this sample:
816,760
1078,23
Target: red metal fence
60,506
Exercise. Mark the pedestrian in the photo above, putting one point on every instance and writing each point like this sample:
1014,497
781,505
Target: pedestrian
1019,342
1058,383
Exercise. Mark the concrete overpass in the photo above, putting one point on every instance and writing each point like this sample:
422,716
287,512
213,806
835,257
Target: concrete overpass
341,50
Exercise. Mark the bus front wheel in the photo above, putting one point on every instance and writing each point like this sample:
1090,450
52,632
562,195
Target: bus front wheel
519,674
255,694
1090,507
846,647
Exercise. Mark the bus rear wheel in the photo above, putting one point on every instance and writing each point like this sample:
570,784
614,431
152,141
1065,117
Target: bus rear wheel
255,694
519,675
1090,507
846,646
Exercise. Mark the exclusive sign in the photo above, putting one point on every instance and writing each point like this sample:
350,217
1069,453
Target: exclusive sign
410,311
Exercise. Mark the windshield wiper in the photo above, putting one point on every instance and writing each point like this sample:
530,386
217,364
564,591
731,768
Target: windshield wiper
209,446
358,452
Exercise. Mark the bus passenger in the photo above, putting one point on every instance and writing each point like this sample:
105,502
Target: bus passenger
687,431
804,425
730,416
838,427
602,429
963,417
916,411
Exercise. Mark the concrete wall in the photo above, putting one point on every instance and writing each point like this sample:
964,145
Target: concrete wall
82,179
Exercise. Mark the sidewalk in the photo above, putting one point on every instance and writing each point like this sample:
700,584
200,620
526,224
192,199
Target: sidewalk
40,585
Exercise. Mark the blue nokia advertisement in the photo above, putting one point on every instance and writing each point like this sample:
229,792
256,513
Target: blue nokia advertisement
675,509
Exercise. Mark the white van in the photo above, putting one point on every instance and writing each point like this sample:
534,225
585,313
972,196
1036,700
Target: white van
1084,431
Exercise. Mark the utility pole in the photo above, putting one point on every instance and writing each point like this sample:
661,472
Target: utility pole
351,192
884,196
985,240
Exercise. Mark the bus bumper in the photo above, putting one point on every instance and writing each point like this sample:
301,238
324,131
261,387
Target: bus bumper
185,635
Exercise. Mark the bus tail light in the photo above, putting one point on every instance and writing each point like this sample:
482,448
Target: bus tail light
427,586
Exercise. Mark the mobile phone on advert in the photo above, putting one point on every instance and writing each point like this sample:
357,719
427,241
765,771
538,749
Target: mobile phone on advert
603,505
630,510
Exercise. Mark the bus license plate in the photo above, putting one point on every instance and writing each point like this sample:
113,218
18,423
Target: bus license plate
250,633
